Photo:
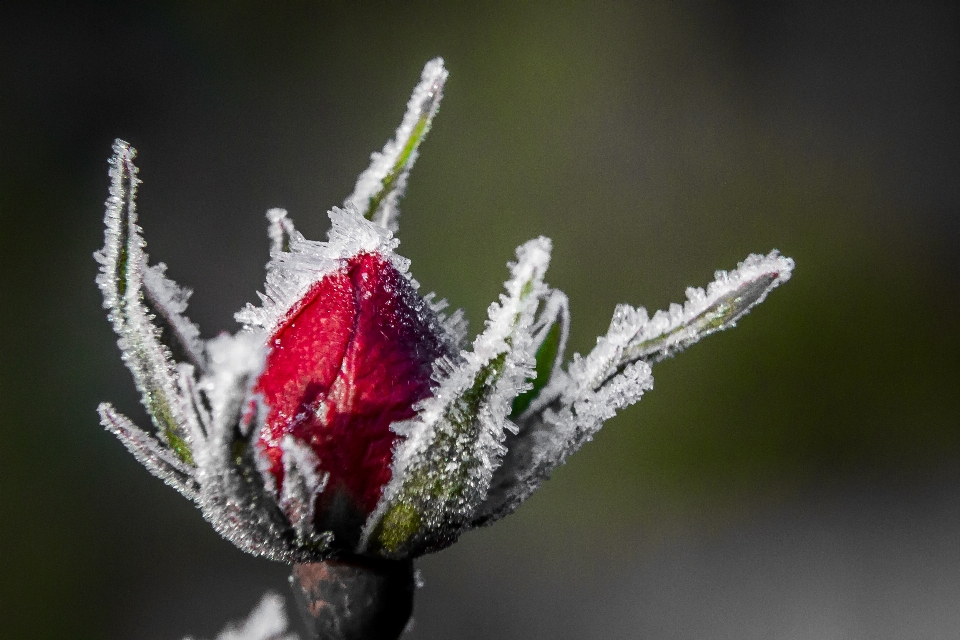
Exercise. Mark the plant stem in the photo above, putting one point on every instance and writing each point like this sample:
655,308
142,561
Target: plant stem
354,598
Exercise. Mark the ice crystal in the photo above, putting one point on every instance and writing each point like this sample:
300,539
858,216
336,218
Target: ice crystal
381,186
346,416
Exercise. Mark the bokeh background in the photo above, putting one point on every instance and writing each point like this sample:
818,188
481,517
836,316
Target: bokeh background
795,478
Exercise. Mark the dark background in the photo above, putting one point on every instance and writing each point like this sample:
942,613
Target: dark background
795,478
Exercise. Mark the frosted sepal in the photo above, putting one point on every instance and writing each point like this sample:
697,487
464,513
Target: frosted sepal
302,482
550,333
150,452
123,265
616,373
291,273
727,299
442,469
234,497
380,187
170,301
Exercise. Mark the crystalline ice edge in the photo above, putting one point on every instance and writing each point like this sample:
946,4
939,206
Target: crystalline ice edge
382,184
617,372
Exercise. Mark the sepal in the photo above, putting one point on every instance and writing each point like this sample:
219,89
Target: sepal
123,272
380,187
727,299
303,481
443,467
150,452
617,372
550,333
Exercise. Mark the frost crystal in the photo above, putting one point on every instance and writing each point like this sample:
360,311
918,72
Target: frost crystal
381,186
346,417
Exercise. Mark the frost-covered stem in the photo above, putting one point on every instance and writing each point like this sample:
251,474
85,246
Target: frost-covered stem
355,599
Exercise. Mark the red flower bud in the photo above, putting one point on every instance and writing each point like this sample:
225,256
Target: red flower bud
351,358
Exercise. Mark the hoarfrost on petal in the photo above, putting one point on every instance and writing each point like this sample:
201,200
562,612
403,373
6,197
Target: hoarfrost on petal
268,621
454,324
291,273
443,467
380,187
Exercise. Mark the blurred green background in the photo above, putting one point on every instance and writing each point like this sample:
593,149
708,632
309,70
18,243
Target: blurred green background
794,478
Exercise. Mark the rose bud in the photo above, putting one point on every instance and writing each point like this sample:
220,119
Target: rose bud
346,422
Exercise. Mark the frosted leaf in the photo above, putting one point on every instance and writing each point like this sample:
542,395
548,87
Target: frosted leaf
442,469
280,230
202,446
150,452
381,185
123,265
550,339
170,301
268,621
498,418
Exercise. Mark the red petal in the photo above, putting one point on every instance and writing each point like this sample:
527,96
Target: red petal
349,360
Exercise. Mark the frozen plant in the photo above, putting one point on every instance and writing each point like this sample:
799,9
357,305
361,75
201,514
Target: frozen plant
348,427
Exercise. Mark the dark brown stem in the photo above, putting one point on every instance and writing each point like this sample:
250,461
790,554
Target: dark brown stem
354,599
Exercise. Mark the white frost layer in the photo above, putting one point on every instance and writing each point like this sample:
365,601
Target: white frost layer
170,300
268,621
302,483
633,335
443,465
290,274
421,107
728,298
